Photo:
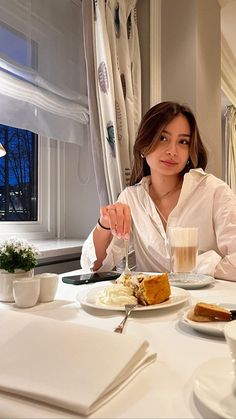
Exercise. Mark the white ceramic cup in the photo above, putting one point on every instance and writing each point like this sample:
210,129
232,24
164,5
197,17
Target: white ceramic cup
48,286
183,248
26,292
230,336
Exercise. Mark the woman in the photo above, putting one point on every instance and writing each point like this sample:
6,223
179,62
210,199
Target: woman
169,188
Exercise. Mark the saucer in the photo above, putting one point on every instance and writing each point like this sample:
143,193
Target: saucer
190,281
214,386
209,328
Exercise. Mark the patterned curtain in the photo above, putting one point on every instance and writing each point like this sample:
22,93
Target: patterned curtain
114,90
230,145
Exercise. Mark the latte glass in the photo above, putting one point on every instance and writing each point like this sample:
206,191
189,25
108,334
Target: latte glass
183,248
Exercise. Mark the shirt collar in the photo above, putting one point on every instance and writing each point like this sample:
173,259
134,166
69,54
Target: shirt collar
145,183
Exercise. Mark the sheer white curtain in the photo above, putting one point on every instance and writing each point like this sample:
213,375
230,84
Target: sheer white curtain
114,90
42,68
230,145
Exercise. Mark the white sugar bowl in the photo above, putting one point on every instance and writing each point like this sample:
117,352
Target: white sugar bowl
48,286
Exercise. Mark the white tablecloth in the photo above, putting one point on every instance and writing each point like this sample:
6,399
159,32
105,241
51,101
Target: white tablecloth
162,390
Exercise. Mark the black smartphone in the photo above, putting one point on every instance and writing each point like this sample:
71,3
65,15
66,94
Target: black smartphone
90,278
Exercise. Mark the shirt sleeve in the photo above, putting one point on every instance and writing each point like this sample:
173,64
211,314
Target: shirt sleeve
225,230
206,263
114,253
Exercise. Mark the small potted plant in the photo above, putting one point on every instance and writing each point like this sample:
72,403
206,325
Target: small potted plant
18,259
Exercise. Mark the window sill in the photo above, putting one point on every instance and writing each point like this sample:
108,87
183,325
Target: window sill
58,247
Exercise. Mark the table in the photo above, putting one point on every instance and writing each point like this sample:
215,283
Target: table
162,390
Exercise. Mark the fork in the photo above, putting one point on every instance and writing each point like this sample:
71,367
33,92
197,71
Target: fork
127,271
128,309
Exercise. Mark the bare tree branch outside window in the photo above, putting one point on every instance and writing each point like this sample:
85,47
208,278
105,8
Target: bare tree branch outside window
18,175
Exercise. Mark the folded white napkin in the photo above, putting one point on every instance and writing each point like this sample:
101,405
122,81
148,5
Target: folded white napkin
64,364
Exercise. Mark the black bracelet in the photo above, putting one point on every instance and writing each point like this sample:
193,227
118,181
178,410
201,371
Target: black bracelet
104,228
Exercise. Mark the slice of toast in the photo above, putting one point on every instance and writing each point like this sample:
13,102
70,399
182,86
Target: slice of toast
212,311
201,319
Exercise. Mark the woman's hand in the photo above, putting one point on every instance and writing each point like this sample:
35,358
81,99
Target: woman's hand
118,217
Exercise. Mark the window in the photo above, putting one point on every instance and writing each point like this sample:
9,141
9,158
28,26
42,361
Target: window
17,48
48,184
43,90
18,175
42,68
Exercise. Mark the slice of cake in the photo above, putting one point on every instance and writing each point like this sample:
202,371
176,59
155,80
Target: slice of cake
153,289
131,280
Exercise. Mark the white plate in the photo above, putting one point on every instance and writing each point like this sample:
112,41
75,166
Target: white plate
210,328
190,281
213,386
88,299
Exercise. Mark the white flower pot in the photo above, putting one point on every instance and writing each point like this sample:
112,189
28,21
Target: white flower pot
6,283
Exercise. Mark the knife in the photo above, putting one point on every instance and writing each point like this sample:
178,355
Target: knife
233,314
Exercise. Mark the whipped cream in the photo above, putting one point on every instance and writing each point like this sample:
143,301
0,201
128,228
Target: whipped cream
117,294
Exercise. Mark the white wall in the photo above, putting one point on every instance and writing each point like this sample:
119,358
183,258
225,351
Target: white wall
208,101
143,18
82,204
191,66
178,51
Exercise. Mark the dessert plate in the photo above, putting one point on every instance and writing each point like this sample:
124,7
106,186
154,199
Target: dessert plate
190,281
214,386
88,299
209,328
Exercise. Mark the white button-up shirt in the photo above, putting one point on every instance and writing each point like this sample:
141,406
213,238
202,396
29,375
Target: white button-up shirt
205,202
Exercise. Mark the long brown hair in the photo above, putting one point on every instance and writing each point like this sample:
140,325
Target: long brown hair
149,133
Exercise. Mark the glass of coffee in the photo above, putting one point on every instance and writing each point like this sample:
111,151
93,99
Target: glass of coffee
183,248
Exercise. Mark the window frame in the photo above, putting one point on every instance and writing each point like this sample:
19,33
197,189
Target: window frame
51,196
